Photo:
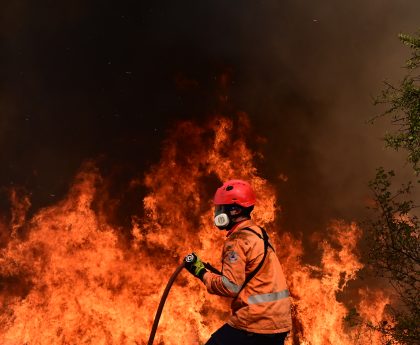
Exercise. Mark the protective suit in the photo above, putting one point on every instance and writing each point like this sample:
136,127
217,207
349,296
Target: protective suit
263,305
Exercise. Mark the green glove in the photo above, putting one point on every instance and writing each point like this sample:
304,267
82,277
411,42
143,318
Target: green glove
194,265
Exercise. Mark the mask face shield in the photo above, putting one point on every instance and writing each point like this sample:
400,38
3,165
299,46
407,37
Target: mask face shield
222,215
221,221
221,218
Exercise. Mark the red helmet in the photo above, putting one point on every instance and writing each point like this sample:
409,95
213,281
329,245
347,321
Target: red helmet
235,192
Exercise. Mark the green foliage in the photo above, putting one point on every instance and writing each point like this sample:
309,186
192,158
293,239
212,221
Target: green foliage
394,238
394,233
403,103
414,44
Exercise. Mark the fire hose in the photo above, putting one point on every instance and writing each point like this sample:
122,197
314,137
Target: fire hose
162,302
188,259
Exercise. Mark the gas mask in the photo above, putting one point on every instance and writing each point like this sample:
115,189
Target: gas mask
223,217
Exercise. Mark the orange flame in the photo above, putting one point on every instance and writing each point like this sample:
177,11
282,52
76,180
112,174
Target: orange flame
69,279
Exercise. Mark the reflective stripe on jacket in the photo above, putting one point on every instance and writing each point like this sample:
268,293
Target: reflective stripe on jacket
263,306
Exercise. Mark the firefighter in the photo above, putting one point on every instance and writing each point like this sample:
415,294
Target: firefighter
251,274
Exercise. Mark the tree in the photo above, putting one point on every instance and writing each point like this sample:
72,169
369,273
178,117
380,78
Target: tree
394,233
403,103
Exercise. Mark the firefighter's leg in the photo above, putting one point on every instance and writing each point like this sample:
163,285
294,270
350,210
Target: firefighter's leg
269,339
227,335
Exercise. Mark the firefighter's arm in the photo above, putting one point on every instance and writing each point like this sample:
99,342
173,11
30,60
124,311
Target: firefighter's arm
233,272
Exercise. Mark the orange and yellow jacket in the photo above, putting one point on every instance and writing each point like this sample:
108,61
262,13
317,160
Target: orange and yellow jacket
263,306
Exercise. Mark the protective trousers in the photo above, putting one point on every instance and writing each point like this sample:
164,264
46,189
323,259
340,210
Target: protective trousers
227,335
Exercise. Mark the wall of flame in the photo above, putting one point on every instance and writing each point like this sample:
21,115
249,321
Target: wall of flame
67,277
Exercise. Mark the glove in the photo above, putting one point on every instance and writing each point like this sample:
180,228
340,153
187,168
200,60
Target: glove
194,265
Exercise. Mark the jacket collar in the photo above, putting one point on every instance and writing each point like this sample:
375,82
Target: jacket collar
243,224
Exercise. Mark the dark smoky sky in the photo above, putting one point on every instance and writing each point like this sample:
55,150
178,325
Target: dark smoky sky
108,79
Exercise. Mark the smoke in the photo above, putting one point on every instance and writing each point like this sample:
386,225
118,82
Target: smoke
310,87
109,80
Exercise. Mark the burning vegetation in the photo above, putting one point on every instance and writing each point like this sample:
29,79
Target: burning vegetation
68,276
